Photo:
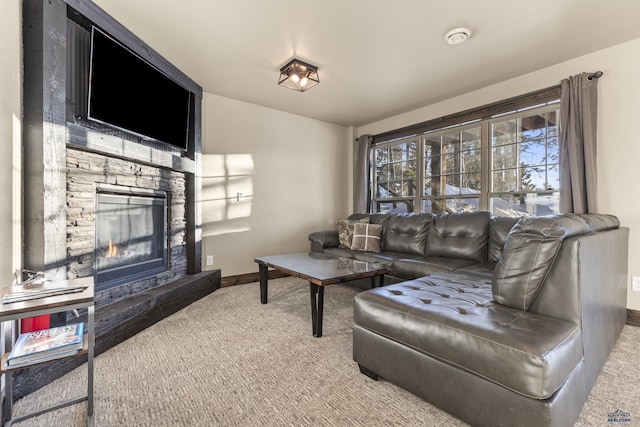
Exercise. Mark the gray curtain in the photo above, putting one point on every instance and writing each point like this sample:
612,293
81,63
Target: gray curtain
578,112
361,180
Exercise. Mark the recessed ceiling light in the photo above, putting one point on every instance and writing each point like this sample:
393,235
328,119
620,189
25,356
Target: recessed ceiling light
457,36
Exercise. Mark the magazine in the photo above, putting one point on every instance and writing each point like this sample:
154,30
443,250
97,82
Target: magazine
48,344
13,364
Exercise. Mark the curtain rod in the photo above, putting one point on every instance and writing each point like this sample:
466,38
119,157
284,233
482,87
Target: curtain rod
596,75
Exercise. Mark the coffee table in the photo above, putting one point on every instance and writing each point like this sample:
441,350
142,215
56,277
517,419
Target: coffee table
319,270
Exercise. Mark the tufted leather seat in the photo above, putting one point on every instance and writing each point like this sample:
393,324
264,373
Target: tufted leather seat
453,318
518,336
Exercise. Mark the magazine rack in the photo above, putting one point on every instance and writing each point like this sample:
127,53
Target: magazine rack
36,307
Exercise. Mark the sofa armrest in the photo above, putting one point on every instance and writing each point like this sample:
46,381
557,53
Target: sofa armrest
324,239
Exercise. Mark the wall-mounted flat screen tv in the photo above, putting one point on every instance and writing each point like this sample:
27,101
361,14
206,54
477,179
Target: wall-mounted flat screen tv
129,93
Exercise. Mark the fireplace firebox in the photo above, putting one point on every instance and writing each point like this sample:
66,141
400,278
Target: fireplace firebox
131,235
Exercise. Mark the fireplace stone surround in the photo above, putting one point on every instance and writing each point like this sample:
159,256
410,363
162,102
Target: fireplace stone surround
87,172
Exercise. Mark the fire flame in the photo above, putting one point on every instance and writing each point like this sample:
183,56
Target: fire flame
112,251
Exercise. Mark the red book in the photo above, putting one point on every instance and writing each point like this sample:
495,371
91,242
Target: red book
37,323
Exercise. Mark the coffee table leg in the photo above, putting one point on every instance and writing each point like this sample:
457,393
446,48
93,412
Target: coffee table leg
264,278
317,303
380,281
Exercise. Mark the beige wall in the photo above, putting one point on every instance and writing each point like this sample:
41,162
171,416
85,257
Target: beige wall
10,139
618,144
293,172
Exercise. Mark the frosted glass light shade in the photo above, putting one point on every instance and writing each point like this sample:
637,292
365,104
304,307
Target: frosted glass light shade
298,75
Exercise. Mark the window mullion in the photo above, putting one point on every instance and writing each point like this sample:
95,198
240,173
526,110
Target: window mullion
518,177
485,144
418,205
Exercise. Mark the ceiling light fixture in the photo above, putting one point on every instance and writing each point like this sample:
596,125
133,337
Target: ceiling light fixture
298,75
457,36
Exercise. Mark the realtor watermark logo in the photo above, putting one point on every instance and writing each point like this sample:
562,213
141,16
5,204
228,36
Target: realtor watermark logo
619,416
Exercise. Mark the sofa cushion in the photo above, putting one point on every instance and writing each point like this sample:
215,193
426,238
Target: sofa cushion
345,230
411,266
459,235
499,228
384,256
453,318
366,237
374,218
529,252
414,268
406,233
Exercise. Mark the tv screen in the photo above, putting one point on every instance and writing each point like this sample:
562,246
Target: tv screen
127,92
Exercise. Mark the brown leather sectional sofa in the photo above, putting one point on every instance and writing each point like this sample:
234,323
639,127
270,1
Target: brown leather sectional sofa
497,321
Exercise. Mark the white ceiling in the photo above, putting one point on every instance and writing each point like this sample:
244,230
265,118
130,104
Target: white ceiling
376,58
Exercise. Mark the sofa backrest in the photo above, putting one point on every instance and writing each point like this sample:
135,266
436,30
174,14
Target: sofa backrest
499,228
374,218
588,285
590,270
406,233
529,252
459,235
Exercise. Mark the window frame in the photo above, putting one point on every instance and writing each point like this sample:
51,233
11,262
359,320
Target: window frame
486,194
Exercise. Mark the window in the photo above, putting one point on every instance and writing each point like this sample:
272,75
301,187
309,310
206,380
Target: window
506,164
525,175
452,170
396,176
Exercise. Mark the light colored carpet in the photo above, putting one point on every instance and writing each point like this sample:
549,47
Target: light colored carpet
227,360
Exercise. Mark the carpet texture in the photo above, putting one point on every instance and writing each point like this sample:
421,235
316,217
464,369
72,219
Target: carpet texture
227,360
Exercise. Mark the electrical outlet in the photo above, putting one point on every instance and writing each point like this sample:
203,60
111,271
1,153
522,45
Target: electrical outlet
635,283
209,259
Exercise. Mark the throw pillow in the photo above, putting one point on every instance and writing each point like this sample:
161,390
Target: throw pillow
366,237
345,230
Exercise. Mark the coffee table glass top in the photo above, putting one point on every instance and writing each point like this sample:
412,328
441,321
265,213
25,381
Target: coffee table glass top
322,267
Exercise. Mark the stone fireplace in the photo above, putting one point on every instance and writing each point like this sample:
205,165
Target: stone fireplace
125,224
73,166
98,201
